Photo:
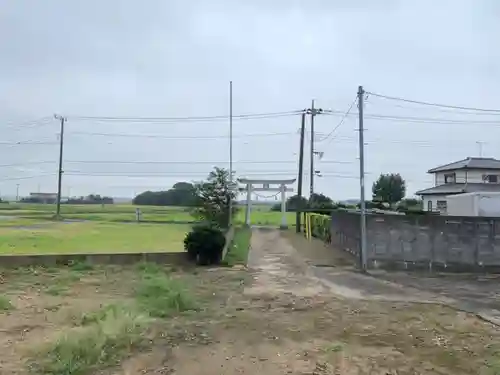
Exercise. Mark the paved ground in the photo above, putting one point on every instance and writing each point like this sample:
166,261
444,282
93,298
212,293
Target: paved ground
479,294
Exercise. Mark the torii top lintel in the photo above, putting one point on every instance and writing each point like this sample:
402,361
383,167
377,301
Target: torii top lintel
259,181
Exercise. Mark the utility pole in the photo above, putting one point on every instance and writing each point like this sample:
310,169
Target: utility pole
17,192
480,146
362,250
313,112
60,171
230,219
301,168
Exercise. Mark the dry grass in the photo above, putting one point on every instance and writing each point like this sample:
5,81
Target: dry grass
80,350
111,320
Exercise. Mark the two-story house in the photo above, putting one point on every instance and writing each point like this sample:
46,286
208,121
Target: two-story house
464,176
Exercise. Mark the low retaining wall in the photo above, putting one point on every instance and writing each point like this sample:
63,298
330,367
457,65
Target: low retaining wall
13,261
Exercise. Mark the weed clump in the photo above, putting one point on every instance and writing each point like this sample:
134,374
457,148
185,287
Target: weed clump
83,349
161,296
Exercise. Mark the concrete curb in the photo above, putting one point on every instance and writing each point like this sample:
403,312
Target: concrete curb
14,261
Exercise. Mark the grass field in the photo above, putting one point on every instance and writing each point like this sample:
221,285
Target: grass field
91,237
261,215
31,228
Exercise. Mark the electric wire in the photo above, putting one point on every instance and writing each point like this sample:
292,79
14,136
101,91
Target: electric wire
188,118
195,137
418,120
197,162
489,110
340,122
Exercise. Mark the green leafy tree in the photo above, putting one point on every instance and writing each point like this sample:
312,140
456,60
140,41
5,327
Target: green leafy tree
390,188
317,200
181,194
293,203
214,197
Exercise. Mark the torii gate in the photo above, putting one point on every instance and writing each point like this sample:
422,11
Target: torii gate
266,186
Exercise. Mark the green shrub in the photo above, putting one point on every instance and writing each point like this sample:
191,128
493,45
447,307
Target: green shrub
204,244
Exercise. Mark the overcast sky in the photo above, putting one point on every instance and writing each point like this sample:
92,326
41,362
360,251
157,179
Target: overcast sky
175,58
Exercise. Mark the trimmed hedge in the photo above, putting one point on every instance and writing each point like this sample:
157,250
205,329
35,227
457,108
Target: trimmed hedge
204,244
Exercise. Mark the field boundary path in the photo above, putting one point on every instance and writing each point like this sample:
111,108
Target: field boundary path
281,264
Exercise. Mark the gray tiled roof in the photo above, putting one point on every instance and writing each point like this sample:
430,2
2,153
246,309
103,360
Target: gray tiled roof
460,188
469,163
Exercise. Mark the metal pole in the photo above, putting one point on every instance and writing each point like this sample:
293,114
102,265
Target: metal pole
480,145
362,252
311,190
17,192
284,224
60,171
301,168
249,204
230,219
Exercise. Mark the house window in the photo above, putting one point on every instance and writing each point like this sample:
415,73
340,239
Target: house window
429,205
490,178
450,178
441,206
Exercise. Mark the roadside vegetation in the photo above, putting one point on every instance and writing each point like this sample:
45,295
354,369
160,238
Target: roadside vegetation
240,246
103,337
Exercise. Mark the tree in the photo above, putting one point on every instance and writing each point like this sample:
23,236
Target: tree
317,200
91,199
390,188
181,194
213,197
293,203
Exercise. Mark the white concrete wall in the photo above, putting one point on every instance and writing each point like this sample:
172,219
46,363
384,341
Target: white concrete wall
463,175
432,198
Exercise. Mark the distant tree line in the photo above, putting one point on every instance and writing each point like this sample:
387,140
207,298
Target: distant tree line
181,194
39,200
388,193
90,199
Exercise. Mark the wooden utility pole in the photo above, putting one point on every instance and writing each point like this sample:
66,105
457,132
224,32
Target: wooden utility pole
301,169
60,171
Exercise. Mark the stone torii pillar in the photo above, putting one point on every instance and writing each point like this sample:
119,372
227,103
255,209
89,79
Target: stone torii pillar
265,185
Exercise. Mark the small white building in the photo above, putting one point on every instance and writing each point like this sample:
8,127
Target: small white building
464,176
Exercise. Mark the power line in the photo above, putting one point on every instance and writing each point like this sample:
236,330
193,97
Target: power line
341,121
26,163
433,104
26,177
198,162
187,118
30,123
192,174
419,120
29,143
194,137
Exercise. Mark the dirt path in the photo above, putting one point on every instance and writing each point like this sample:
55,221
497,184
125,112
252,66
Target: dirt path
293,318
278,317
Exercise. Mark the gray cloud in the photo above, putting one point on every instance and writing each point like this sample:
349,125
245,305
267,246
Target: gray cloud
175,58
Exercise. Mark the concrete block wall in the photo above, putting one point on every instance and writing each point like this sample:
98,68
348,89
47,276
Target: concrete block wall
441,242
